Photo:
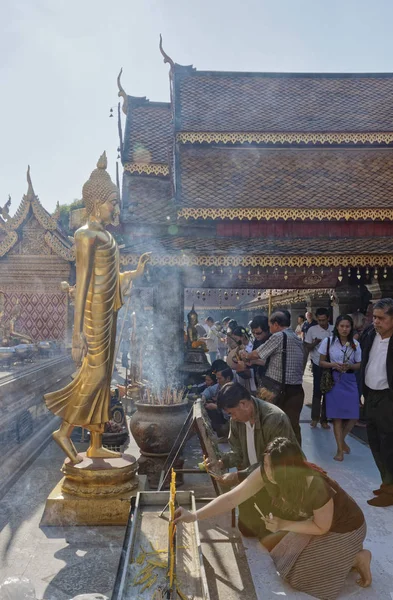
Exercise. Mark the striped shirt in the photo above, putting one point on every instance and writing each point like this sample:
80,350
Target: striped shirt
295,357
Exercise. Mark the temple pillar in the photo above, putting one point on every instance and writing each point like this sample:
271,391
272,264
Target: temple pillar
381,287
297,309
168,320
348,298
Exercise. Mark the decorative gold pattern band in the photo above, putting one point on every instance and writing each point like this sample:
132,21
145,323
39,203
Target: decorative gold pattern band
159,169
321,260
210,137
289,214
281,297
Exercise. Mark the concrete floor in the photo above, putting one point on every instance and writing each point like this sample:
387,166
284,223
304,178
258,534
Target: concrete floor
64,562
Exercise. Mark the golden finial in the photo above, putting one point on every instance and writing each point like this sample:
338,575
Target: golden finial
102,161
167,59
99,186
122,93
30,191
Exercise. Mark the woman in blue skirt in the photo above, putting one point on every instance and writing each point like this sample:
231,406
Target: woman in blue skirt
343,355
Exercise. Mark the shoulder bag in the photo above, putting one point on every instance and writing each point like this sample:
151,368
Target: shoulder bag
327,381
271,390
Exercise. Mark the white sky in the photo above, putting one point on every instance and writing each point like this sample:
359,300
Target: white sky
59,60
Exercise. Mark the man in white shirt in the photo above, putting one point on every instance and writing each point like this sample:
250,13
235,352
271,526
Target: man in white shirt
377,378
211,339
312,341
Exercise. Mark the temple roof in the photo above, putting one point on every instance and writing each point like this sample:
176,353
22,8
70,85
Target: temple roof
148,134
147,200
31,206
250,246
299,178
238,102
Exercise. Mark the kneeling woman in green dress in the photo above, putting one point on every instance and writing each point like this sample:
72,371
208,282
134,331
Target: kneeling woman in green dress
321,539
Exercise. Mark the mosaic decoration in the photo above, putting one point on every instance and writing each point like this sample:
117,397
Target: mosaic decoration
43,315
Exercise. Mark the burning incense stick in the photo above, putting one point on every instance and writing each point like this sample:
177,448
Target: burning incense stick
172,530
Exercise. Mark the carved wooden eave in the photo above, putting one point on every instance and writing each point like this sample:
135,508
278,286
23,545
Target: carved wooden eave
319,260
296,137
280,297
153,169
288,214
31,205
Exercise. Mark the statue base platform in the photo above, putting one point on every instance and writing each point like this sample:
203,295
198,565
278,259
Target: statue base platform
96,491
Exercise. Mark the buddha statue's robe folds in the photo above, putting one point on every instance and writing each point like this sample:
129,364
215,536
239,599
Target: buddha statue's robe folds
86,400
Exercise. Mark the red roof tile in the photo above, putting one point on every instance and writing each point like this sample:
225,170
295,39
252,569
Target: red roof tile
288,178
224,101
148,132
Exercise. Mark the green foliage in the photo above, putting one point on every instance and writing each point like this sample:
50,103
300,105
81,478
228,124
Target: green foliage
64,215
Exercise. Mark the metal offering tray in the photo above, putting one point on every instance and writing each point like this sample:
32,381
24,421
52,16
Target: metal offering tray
146,543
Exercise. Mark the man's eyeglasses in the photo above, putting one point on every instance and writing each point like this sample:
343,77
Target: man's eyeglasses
256,332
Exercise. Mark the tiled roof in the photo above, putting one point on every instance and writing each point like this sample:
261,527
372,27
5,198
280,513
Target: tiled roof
223,101
287,178
148,131
149,198
316,246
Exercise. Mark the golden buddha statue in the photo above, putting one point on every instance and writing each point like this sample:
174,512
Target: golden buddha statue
99,292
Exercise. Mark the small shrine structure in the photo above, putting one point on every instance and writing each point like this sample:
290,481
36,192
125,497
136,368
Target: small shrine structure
35,257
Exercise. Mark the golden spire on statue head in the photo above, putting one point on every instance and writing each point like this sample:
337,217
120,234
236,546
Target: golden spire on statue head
99,187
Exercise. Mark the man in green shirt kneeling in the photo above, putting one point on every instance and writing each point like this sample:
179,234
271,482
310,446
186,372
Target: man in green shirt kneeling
254,424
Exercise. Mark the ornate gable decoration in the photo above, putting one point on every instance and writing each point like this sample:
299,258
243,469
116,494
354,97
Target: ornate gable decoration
31,205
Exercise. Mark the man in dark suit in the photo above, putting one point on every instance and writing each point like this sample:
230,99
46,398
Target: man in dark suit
377,381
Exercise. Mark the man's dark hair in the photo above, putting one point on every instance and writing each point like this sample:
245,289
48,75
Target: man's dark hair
226,373
226,319
232,324
210,319
231,394
385,304
260,321
218,365
321,312
281,317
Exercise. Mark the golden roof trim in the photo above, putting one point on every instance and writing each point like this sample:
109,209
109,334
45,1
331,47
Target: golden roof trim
317,260
59,248
158,169
289,214
233,137
9,241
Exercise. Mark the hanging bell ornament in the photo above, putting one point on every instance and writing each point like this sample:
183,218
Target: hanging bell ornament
385,273
340,274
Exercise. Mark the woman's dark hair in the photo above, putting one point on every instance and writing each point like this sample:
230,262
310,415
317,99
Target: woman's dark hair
240,332
336,336
231,394
226,373
218,365
290,472
212,375
260,321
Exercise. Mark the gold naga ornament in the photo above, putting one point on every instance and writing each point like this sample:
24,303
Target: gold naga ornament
99,292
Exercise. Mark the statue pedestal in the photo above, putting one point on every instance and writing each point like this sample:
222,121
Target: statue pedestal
94,492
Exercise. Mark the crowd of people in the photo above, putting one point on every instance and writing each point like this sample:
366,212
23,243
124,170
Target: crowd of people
304,518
